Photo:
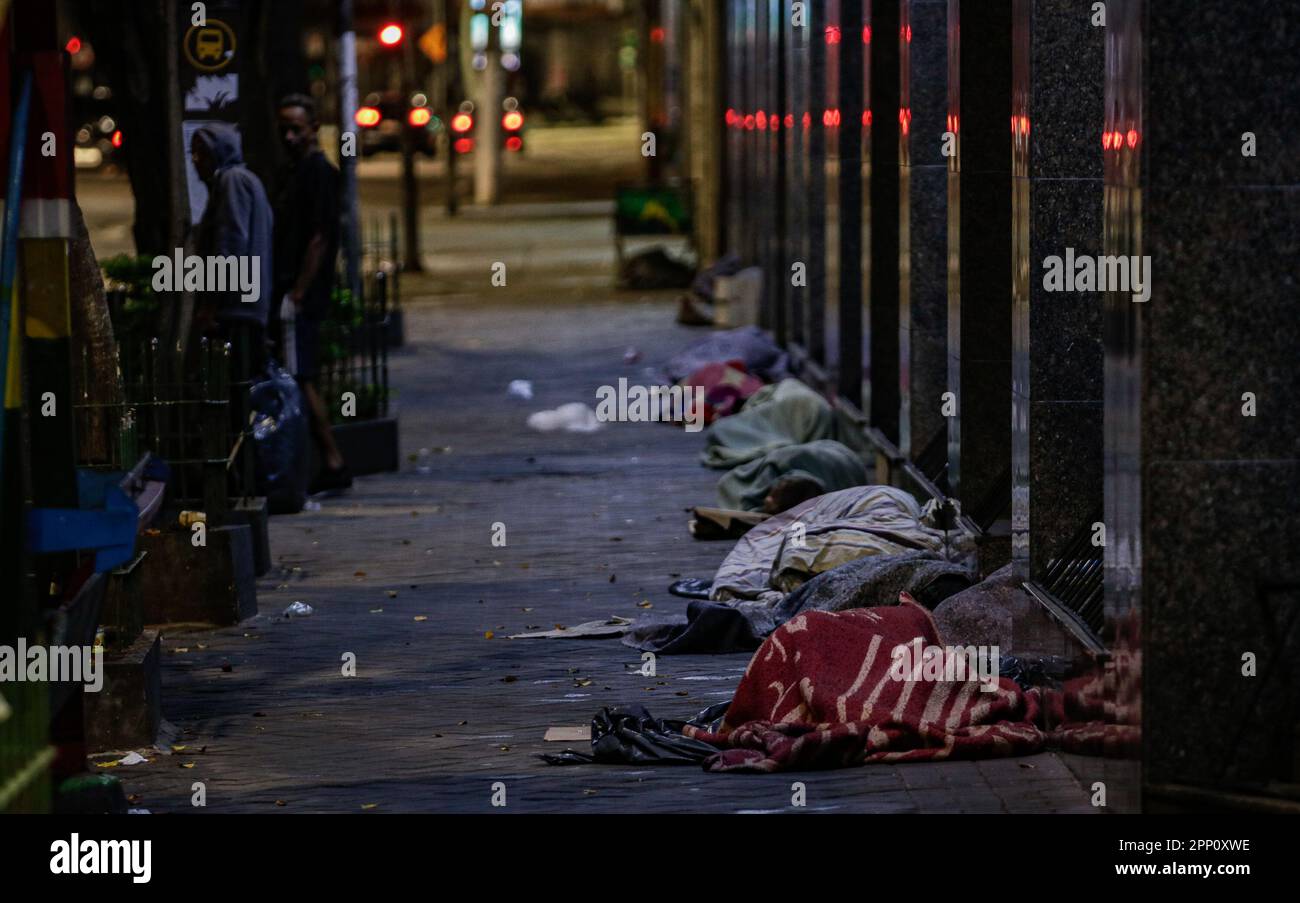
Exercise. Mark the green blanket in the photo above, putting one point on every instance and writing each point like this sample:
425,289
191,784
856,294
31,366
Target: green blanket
831,464
788,413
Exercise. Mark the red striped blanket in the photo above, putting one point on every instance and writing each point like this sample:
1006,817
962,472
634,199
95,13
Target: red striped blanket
819,693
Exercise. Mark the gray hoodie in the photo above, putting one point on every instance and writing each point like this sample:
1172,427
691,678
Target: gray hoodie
237,220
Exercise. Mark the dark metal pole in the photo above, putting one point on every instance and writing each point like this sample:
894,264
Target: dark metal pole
452,85
410,185
347,60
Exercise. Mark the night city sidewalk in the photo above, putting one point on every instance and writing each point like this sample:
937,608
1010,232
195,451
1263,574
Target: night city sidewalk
402,573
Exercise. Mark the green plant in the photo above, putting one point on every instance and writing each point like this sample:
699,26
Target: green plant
136,317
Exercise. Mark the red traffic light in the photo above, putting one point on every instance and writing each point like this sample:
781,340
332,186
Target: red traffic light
368,117
512,121
463,145
419,117
390,35
514,143
462,122
73,46
116,139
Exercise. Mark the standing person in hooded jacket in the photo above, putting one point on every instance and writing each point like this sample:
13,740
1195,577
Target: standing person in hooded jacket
237,221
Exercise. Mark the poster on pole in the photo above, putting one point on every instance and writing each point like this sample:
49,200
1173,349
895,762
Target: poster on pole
209,78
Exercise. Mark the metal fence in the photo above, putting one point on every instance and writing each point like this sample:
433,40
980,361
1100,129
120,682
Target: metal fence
180,413
381,250
354,348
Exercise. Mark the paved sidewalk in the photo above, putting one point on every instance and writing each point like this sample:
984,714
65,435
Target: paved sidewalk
402,573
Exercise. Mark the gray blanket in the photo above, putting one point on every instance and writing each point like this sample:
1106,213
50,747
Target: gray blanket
714,627
749,344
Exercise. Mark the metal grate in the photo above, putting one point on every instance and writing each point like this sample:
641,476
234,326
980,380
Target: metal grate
1075,578
183,419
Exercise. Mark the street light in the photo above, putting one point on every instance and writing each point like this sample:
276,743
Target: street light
390,35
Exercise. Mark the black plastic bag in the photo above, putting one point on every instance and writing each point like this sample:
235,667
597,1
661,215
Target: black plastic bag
279,436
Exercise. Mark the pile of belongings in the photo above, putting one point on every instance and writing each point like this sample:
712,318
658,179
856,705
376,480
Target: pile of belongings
726,369
696,307
808,469
783,552
853,548
787,413
830,689
749,345
655,269
724,387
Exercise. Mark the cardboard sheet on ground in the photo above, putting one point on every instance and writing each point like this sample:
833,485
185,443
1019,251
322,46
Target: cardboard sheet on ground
568,734
590,630
722,523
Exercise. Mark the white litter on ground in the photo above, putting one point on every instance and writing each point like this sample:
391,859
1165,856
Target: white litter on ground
520,388
574,417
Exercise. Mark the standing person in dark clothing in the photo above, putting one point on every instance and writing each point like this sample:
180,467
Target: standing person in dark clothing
236,224
306,245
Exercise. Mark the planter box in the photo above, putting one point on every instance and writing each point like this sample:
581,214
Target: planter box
126,712
253,511
212,584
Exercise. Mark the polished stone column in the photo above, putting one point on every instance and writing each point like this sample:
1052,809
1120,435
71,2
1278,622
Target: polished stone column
734,144
831,38
881,400
1057,358
776,282
1202,428
797,146
979,261
923,225
815,296
849,369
